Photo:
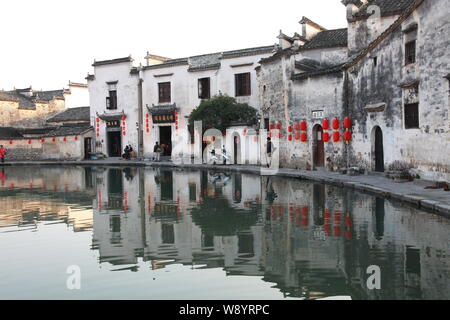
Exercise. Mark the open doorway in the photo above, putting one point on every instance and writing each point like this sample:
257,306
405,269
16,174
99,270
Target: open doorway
165,140
87,148
377,149
114,144
318,147
236,149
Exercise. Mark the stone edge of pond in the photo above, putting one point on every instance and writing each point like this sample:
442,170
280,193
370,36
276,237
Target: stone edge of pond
437,207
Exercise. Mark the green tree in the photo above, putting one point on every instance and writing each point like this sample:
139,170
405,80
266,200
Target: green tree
221,111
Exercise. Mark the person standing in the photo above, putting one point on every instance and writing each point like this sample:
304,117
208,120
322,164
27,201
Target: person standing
157,151
2,153
224,155
269,152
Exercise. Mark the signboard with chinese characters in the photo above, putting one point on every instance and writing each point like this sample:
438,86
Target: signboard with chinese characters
113,124
317,114
164,118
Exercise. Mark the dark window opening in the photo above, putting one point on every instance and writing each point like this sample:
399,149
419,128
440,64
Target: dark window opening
375,61
266,123
410,52
167,234
192,192
114,224
164,92
242,84
191,133
111,101
412,116
204,88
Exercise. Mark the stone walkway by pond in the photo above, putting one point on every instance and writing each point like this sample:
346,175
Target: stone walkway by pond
436,200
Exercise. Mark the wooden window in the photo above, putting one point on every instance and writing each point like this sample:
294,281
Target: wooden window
204,88
242,84
412,116
111,101
410,52
164,92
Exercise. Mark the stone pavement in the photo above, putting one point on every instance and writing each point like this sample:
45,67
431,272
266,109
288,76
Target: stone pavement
414,192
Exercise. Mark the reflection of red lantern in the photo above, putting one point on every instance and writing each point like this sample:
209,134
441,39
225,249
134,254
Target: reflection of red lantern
347,123
347,136
290,128
304,137
326,124
326,137
278,126
297,136
336,124
336,136
271,126
303,126
290,137
337,231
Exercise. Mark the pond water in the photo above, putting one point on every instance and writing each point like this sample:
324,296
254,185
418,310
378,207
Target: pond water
132,233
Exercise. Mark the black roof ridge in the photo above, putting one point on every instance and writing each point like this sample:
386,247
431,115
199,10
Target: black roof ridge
112,61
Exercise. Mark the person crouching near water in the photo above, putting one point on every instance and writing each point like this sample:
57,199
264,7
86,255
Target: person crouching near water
2,153
126,153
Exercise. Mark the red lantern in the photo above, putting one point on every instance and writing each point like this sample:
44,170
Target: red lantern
278,126
290,129
336,136
326,124
76,138
10,142
297,136
336,124
244,132
146,115
347,135
303,126
64,139
98,120
123,117
326,137
297,126
271,126
347,123
124,133
29,141
290,137
42,140
304,137
53,139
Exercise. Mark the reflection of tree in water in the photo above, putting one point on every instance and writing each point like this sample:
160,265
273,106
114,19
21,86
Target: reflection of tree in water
215,216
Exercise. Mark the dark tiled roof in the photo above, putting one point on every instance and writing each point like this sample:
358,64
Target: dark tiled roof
35,131
278,54
72,114
68,130
211,61
25,102
7,133
111,116
112,61
307,64
319,72
48,95
387,8
162,110
327,39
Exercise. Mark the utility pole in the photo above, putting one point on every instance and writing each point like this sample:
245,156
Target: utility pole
140,118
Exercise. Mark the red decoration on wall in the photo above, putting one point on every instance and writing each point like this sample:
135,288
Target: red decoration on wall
326,124
347,123
347,136
326,137
297,136
290,129
336,124
296,126
336,136
303,126
271,126
279,126
304,137
290,137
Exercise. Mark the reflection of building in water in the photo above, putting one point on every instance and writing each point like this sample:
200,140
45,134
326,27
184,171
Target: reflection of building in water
29,196
311,240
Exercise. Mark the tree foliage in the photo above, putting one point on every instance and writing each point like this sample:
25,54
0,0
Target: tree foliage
221,111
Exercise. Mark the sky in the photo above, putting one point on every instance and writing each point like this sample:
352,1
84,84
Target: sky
46,43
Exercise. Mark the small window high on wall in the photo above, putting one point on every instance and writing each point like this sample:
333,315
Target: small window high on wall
111,100
410,52
164,92
412,116
242,84
204,88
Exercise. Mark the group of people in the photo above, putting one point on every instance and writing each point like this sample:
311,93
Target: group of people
159,149
127,152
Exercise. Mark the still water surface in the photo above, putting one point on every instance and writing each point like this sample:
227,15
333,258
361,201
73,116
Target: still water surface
177,234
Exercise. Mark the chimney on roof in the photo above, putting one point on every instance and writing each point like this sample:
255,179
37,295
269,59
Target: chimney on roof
353,7
154,59
310,28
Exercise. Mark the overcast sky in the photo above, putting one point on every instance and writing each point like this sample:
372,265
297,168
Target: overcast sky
46,43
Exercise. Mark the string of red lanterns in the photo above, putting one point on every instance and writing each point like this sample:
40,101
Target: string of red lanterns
124,125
